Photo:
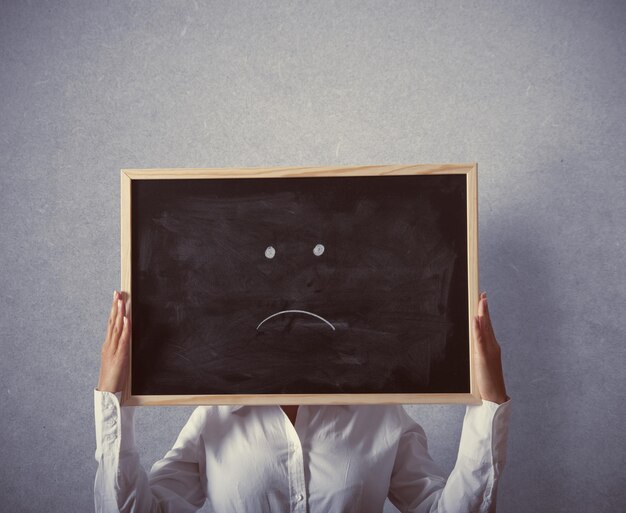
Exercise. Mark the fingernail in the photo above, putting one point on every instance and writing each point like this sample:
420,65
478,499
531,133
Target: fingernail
119,303
114,294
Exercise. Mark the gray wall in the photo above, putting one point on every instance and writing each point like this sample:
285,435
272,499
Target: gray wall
531,90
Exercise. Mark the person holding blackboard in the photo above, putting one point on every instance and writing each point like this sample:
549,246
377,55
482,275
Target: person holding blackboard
328,458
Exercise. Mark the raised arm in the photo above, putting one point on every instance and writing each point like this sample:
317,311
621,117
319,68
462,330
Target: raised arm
121,483
417,483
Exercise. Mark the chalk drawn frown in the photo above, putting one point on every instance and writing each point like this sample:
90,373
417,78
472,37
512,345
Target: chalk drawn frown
270,252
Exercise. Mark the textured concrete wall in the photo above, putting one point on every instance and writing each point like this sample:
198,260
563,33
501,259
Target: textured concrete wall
531,90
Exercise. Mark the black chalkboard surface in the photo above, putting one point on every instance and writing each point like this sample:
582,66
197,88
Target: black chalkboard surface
321,285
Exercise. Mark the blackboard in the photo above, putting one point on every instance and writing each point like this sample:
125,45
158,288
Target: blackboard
292,285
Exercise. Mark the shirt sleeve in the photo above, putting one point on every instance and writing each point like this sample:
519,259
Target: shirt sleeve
419,486
175,483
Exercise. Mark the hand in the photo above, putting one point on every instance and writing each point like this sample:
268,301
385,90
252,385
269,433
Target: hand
488,364
115,350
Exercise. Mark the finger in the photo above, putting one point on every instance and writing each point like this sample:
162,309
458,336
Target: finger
481,304
123,345
112,316
478,334
483,313
127,305
485,307
117,328
487,315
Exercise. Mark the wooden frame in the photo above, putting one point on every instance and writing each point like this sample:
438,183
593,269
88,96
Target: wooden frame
127,176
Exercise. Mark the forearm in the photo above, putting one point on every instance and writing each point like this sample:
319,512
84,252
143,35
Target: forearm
418,485
473,483
121,483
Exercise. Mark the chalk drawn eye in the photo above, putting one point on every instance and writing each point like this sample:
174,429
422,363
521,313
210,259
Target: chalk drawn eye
318,250
270,252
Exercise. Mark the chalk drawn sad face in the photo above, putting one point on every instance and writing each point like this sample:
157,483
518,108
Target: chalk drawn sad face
308,285
270,252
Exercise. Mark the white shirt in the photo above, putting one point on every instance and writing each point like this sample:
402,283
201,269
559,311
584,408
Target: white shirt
335,459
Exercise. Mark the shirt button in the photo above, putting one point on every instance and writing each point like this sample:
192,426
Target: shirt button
299,497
